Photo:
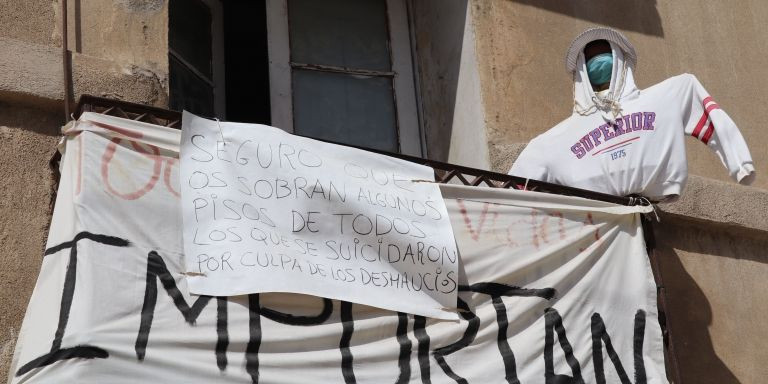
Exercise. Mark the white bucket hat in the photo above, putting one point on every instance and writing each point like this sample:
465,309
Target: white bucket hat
599,33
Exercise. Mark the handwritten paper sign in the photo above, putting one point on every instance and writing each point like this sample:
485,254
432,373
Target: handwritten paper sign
267,211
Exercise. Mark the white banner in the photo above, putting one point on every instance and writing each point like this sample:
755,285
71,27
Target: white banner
267,211
552,289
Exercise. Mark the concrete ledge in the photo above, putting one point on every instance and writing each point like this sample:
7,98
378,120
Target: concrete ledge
105,78
32,74
503,155
721,203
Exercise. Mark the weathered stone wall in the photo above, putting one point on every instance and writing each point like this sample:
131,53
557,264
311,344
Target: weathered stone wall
119,50
27,141
30,21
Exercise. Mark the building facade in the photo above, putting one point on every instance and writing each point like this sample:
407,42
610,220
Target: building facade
463,81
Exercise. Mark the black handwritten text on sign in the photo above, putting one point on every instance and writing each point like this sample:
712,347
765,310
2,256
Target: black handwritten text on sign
266,211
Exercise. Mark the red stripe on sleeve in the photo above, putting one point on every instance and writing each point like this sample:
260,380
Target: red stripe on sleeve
699,125
707,100
711,107
708,133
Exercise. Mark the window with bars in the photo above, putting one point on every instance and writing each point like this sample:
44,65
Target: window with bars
195,63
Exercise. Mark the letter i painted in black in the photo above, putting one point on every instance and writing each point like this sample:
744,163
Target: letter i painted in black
254,341
510,368
67,296
348,327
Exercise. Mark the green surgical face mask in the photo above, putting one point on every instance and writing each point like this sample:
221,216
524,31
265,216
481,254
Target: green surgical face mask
599,68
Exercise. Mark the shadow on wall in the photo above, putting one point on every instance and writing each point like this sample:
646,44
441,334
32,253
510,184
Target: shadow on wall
439,35
628,15
13,116
689,312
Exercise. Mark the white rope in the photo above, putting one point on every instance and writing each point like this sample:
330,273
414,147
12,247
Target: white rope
642,200
608,103
648,202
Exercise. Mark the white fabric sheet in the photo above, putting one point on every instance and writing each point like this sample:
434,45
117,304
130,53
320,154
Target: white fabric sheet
551,286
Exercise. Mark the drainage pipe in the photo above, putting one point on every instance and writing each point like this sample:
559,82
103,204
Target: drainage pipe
65,61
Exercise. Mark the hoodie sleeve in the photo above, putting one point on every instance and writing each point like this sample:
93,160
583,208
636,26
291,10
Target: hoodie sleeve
705,121
530,164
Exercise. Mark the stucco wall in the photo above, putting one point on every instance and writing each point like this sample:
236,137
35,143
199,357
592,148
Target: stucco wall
453,115
27,141
31,21
128,32
119,50
715,281
712,241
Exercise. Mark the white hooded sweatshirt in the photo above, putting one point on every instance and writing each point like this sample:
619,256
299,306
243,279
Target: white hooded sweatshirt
631,141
